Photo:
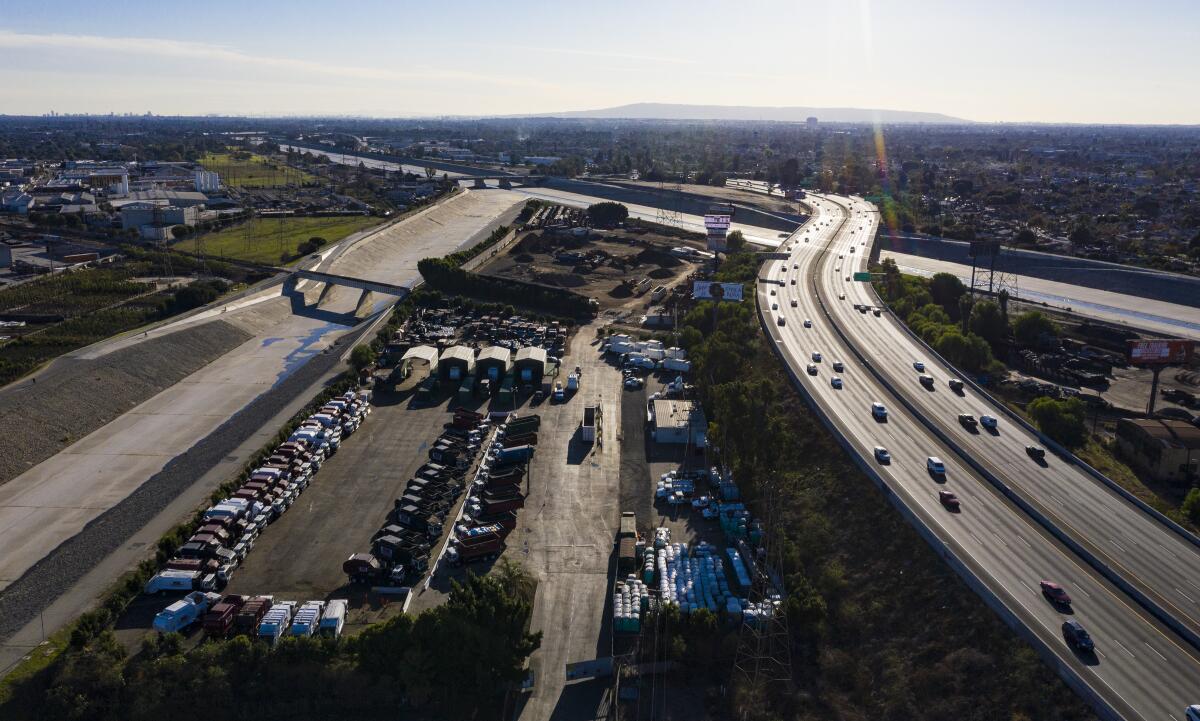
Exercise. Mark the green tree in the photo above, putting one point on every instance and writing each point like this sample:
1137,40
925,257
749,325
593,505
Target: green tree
735,242
988,323
969,351
1062,420
1191,505
607,214
1081,235
361,357
1026,238
946,289
1030,326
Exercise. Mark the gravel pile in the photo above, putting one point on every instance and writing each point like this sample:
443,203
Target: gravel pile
59,570
74,397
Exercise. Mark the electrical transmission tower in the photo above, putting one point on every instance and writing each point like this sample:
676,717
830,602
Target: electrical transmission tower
670,194
764,653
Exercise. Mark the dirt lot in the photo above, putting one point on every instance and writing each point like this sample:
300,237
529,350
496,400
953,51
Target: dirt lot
615,259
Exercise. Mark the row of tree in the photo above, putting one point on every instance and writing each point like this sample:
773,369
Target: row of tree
456,661
859,582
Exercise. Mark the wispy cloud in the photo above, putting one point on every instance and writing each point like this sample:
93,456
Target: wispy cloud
186,50
597,54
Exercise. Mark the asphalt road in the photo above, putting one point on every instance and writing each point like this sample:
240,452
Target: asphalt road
565,536
1141,669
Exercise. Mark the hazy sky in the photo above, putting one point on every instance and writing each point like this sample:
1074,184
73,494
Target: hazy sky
994,60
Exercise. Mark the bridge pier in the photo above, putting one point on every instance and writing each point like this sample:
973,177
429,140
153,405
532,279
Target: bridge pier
365,301
480,183
505,184
326,292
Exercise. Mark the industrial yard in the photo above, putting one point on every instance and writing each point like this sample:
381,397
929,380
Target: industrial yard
621,268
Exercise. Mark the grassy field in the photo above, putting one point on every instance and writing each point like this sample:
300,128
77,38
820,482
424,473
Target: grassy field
255,171
268,240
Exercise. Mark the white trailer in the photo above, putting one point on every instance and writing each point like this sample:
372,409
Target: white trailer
184,612
676,364
276,621
308,618
588,428
171,580
334,618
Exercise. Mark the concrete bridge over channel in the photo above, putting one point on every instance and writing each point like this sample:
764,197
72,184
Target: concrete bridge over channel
329,280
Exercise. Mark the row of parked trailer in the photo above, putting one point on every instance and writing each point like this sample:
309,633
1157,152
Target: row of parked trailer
230,528
257,616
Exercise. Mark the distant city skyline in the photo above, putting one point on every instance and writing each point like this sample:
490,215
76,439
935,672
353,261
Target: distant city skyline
1021,61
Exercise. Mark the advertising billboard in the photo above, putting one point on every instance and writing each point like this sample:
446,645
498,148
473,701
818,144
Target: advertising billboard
717,222
1161,351
708,290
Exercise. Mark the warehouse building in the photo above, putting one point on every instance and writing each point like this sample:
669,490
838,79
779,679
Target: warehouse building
678,421
423,357
456,363
530,365
1162,448
494,362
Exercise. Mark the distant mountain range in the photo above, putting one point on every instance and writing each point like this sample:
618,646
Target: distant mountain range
673,111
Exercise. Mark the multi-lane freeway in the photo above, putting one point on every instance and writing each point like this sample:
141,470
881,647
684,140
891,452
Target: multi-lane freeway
1141,669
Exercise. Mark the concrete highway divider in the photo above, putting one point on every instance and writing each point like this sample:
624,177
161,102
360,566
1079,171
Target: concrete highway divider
1050,443
964,569
1092,560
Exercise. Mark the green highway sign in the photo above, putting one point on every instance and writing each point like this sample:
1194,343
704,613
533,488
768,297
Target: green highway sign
863,276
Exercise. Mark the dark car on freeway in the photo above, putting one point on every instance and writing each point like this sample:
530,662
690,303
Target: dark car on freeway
1077,636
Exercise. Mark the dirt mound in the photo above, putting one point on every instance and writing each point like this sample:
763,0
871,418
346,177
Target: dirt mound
660,273
561,280
657,257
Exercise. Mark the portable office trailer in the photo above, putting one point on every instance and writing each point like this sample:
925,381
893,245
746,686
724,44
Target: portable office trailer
334,618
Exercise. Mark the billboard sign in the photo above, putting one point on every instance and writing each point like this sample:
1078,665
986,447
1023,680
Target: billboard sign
984,248
708,290
716,242
717,222
1161,351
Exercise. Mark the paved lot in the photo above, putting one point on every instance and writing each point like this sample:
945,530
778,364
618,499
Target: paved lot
300,556
565,538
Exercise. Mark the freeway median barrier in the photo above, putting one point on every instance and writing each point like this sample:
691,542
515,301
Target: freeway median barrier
1092,560
1058,449
944,549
